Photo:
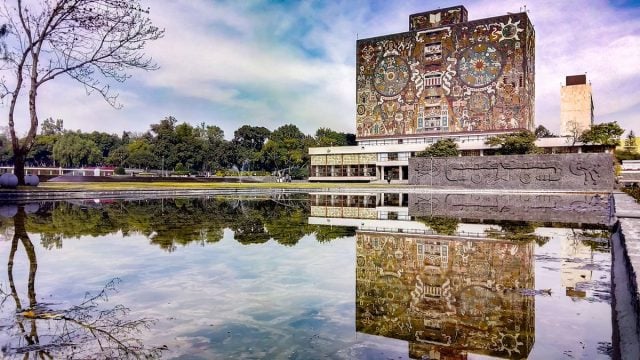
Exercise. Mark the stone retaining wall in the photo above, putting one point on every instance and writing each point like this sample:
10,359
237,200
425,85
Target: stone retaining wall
586,172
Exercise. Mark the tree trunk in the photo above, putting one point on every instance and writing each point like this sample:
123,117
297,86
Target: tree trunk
18,165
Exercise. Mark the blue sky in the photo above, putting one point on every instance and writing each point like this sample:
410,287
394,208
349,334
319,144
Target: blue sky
270,63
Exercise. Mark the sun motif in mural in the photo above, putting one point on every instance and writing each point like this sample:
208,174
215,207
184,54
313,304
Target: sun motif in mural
391,75
479,65
510,30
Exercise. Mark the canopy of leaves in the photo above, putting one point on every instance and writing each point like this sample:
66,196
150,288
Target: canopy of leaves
521,142
72,150
172,222
603,134
543,132
442,148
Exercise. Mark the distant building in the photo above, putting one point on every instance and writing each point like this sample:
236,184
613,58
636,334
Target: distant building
576,106
447,77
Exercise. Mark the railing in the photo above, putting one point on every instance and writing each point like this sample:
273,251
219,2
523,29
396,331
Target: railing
423,232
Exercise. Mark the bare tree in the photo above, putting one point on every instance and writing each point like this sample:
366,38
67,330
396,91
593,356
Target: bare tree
90,329
94,42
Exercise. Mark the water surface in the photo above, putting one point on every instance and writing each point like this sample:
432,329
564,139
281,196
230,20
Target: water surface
289,277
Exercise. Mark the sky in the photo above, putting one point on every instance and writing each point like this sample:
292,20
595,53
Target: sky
271,63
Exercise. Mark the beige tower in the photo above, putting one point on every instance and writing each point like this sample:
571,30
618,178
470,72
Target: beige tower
576,106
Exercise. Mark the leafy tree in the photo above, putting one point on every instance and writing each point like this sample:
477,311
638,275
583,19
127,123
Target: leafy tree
328,137
141,154
118,156
51,127
543,132
286,148
521,142
105,142
251,137
603,134
248,142
631,141
164,140
91,41
442,148
72,150
6,151
41,153
440,224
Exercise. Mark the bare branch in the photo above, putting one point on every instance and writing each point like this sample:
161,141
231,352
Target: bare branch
95,42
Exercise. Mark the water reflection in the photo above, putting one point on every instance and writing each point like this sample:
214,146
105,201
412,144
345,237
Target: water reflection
169,223
447,297
263,277
89,328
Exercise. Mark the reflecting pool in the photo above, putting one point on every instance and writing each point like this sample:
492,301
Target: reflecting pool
307,276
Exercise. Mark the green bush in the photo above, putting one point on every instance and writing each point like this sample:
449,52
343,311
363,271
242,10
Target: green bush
119,171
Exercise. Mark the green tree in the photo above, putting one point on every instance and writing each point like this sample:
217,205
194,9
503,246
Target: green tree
41,153
521,142
328,137
603,134
51,127
92,42
105,142
543,132
72,150
6,151
248,142
141,154
442,148
286,148
630,143
190,147
164,140
440,224
118,156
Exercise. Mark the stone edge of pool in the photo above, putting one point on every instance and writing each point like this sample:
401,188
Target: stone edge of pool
625,273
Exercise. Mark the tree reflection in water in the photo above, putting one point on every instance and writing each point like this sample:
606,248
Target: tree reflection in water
89,329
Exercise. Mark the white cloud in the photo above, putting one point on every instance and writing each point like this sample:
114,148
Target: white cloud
235,63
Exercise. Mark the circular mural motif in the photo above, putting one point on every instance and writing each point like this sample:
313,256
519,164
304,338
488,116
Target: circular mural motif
479,65
361,110
391,75
509,31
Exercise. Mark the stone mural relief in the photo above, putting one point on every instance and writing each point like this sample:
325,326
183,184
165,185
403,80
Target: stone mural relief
446,296
541,172
455,76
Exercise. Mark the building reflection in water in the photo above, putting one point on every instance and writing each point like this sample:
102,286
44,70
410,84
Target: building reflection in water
446,296
456,285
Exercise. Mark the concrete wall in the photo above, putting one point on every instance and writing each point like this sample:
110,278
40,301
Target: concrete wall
576,109
574,172
568,208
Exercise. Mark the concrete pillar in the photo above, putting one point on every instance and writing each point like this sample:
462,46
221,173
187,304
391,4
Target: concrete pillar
481,152
400,172
580,150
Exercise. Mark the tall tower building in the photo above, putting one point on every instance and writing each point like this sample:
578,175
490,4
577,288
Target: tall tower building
576,106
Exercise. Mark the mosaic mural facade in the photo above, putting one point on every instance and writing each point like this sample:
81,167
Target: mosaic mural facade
446,296
447,75
531,172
